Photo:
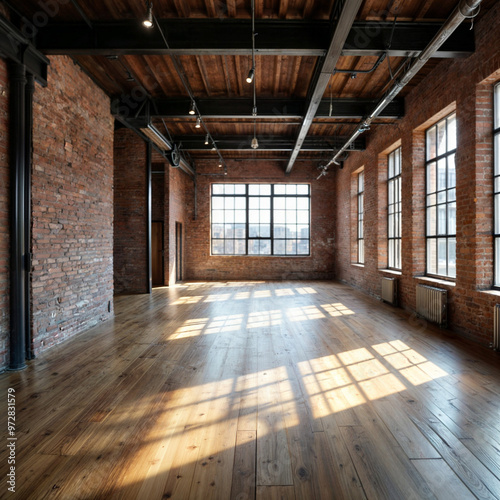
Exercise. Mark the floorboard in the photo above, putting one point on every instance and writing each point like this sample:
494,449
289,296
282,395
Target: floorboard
254,391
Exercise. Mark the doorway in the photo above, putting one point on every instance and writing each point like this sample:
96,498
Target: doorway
178,251
157,253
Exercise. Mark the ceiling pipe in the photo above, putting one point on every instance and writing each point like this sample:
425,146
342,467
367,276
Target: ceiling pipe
464,10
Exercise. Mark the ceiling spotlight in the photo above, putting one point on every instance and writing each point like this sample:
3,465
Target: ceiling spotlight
250,76
206,140
255,143
192,109
148,21
198,122
220,165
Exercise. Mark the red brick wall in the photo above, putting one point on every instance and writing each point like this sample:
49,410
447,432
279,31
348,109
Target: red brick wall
72,205
180,206
130,212
4,216
201,265
464,84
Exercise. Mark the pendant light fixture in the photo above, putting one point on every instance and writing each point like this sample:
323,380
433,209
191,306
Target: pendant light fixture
251,73
148,20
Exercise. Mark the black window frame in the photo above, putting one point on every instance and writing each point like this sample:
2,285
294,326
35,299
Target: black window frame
394,209
273,226
360,217
496,185
449,193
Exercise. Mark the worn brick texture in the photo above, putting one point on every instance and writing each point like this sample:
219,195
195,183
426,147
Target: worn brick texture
72,200
467,86
200,265
4,216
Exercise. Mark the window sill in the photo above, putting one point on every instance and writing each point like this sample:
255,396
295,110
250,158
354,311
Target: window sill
435,281
495,293
390,271
355,264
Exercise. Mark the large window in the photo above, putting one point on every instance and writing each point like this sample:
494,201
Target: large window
361,238
496,139
394,209
260,219
441,207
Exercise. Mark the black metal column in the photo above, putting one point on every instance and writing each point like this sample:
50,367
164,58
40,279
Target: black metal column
30,90
17,155
149,218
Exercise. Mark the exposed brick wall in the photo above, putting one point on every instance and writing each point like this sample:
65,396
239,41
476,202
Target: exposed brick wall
201,265
130,213
72,205
464,85
4,216
180,206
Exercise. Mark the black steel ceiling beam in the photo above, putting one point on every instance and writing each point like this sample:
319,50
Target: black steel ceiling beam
342,20
266,143
275,109
230,37
17,48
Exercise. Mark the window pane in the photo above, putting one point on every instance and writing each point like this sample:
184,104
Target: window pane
442,256
217,231
239,230
432,256
253,247
303,247
291,217
441,137
452,176
253,216
442,219
240,216
218,189
229,188
390,166
265,231
240,203
303,231
279,189
253,189
265,247
452,132
441,174
497,261
302,203
239,247
217,215
253,230
302,217
229,247
291,247
229,203
452,258
291,231
253,203
303,189
430,139
279,247
279,217
497,214
431,221
217,247
291,189
265,189
291,203
279,203
452,218
265,216
361,251
240,189
217,203
431,177
228,230
279,231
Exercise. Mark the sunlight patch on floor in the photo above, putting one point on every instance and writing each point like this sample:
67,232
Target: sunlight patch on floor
337,309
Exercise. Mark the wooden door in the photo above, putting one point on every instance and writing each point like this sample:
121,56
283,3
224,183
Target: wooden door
178,251
157,253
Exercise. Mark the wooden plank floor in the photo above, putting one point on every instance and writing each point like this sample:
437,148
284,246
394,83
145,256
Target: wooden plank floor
267,390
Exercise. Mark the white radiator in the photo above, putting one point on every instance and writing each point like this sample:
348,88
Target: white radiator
390,290
432,304
496,328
